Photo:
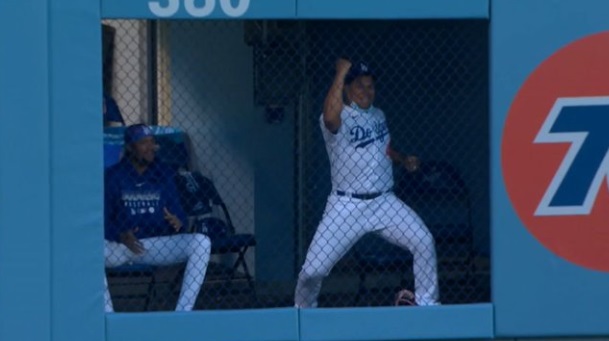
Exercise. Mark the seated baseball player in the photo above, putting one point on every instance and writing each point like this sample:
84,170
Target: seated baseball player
144,220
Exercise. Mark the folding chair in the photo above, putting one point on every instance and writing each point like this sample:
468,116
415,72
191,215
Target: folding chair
136,275
443,200
439,195
200,199
375,255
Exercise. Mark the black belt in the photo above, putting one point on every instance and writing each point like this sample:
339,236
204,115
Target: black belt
361,196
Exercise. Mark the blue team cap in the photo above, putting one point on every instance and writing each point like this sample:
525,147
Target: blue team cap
136,132
357,70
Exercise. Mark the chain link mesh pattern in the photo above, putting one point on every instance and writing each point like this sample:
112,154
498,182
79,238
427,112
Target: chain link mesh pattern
235,109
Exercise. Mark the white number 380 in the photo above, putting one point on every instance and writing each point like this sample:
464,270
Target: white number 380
208,7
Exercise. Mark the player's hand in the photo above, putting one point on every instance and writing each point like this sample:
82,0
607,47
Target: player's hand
342,66
131,242
173,220
411,163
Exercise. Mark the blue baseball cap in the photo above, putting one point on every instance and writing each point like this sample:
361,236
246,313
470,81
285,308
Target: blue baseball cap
136,132
357,70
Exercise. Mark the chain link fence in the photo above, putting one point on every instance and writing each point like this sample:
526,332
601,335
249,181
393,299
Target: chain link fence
235,110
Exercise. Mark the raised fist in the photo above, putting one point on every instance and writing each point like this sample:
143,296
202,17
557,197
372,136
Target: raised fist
343,65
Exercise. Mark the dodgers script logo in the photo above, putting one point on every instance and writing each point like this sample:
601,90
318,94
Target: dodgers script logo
555,152
362,136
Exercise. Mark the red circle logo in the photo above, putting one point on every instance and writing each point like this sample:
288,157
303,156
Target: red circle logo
554,152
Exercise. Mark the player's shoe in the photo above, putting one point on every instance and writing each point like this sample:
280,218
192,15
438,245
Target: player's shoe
405,297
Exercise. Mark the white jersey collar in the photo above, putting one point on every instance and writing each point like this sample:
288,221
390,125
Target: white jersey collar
356,107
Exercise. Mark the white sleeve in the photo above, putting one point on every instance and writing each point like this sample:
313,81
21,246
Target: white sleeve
328,135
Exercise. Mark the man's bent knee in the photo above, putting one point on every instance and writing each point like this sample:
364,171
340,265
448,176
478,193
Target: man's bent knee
201,242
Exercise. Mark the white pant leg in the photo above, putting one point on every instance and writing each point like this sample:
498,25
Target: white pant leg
403,227
108,306
339,230
194,249
194,275
115,254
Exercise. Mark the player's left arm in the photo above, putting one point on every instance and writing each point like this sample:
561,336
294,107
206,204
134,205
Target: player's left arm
410,162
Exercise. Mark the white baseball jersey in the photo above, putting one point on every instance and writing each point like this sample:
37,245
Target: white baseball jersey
358,151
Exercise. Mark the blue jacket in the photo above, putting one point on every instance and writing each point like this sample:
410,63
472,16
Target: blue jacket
133,200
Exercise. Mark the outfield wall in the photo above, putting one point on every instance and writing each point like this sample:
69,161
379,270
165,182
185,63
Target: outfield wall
51,179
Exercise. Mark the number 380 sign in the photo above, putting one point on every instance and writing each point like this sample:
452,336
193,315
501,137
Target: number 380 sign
202,8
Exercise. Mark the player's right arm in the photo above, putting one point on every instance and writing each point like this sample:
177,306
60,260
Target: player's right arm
131,242
333,104
117,227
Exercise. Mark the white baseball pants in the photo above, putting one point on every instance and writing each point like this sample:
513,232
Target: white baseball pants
345,221
193,248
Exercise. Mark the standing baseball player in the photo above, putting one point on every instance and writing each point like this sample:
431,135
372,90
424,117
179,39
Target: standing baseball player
358,146
144,219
